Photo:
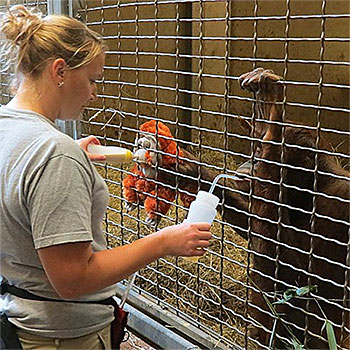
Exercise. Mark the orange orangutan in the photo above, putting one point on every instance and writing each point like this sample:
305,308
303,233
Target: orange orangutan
155,149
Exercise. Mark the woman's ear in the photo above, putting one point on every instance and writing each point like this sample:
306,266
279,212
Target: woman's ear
58,70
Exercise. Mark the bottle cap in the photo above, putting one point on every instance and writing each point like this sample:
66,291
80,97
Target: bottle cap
209,198
128,155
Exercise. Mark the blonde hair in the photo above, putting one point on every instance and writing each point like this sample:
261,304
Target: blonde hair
30,41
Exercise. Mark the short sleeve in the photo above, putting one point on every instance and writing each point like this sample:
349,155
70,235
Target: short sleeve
59,202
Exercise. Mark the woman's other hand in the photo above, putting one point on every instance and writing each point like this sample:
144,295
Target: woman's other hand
85,142
186,239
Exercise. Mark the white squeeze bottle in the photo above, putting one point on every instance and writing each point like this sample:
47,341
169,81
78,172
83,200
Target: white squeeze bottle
202,209
113,154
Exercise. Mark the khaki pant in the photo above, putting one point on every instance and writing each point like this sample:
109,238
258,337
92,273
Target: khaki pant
95,341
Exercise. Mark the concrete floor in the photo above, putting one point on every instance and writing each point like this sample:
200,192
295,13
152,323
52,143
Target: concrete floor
135,343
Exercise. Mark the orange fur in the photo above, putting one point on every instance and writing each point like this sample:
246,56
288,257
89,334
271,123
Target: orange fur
166,145
136,186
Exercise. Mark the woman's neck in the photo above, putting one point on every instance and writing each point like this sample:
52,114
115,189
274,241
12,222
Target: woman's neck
29,97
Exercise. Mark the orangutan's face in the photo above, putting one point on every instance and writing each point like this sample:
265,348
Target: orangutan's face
146,156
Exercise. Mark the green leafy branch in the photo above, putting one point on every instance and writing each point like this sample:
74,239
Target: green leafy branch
287,296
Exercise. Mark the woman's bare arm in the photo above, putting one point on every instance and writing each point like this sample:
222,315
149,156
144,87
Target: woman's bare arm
75,270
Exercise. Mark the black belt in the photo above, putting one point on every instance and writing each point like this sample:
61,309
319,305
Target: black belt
24,294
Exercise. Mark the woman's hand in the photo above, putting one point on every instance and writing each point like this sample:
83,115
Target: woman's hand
186,239
84,143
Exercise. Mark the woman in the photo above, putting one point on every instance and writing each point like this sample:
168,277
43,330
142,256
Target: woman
52,200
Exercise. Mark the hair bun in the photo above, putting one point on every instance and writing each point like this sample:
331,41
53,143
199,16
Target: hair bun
19,24
29,42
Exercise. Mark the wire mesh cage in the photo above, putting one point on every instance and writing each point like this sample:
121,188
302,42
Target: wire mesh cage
179,62
277,270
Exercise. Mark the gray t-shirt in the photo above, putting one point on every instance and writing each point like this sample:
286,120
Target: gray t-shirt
50,193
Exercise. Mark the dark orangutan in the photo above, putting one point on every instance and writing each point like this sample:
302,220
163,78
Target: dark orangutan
300,228
299,219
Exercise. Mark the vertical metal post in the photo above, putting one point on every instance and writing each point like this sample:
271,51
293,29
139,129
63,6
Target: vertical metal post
226,148
250,254
315,202
58,7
